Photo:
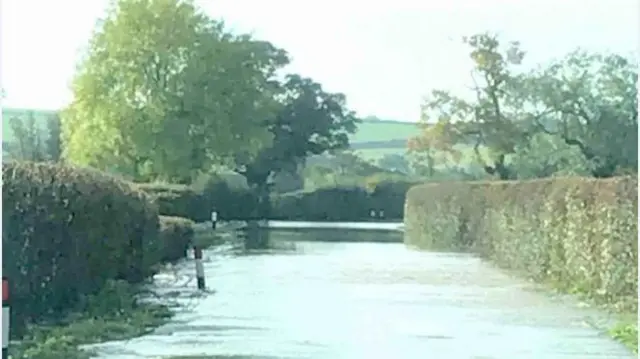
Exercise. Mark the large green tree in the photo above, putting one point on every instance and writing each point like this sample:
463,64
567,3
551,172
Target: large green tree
310,121
165,92
590,101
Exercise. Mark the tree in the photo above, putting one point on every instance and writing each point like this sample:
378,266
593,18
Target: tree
53,142
28,144
491,120
165,92
590,102
395,162
310,122
347,162
547,155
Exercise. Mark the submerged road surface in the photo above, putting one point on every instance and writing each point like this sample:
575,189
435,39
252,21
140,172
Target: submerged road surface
305,298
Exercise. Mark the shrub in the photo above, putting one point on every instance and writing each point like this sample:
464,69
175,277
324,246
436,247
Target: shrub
177,200
326,204
228,194
174,238
390,196
67,231
579,234
232,202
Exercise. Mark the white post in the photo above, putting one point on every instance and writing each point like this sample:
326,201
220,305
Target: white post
214,219
197,253
381,213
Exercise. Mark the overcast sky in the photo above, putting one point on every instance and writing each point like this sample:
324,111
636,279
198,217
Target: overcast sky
383,55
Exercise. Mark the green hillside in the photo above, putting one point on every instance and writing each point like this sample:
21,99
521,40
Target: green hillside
373,139
376,138
383,130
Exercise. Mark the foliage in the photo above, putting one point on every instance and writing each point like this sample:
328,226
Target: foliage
548,155
389,195
349,201
577,234
28,144
395,162
342,168
29,141
165,92
53,143
627,334
113,313
177,200
324,204
489,121
310,121
589,101
288,181
195,202
66,231
174,238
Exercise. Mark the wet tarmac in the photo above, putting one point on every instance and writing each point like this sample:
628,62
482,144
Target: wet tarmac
308,296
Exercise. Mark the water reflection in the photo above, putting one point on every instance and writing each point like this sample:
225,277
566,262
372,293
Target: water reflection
255,239
338,235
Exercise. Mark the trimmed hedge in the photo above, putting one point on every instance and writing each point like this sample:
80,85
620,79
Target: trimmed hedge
390,196
184,201
325,204
66,232
342,203
177,201
175,237
579,234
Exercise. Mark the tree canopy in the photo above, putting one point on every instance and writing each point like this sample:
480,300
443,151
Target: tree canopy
310,121
584,105
165,91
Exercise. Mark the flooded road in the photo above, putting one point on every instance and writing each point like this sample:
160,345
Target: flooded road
310,296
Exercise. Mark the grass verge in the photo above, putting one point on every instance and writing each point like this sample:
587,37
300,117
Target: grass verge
114,313
620,321
626,332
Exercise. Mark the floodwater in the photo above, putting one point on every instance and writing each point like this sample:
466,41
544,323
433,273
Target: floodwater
308,293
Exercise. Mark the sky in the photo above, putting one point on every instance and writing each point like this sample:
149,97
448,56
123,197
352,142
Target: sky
385,56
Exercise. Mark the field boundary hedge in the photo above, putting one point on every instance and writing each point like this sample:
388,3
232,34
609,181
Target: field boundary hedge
580,234
339,203
69,231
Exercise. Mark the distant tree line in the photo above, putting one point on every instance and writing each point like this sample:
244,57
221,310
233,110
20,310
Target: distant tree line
33,139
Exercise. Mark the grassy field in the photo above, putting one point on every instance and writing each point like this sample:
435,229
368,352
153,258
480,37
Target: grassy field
370,131
381,131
